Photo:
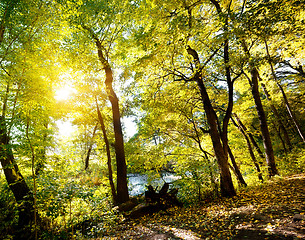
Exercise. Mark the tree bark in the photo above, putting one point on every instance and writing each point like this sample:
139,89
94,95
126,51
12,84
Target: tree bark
272,170
109,164
226,184
226,187
90,149
238,174
16,182
291,114
260,176
122,188
278,118
269,154
249,134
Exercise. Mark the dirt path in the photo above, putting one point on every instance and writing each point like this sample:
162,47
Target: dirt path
274,210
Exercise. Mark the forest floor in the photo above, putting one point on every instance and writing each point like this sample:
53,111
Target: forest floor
273,210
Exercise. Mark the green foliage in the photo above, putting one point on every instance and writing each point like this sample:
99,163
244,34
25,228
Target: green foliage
45,45
293,163
73,202
8,210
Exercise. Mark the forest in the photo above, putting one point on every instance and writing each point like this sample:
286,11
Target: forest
201,100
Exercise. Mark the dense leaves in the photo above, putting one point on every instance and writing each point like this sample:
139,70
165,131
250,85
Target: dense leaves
215,90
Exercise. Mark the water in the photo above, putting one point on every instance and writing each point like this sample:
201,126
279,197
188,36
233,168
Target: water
137,182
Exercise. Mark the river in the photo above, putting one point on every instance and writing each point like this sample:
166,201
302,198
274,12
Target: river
137,182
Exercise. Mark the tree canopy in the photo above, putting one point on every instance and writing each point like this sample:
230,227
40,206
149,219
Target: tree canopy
215,89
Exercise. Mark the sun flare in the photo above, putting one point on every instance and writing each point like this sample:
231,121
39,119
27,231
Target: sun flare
64,93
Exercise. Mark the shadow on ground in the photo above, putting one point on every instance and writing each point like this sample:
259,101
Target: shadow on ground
274,210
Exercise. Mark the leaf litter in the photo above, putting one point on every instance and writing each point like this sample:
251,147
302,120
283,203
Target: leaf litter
266,211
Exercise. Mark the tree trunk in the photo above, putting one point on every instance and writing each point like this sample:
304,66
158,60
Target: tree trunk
90,149
278,118
109,165
238,174
272,170
260,176
291,114
122,188
249,134
226,187
16,182
226,184
283,142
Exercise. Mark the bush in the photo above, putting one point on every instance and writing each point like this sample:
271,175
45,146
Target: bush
293,163
8,211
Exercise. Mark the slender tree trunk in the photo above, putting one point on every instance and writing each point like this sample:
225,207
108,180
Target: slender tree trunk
283,142
272,170
90,148
249,134
278,118
291,114
33,158
17,184
236,170
226,188
41,157
122,188
263,124
109,165
260,176
226,184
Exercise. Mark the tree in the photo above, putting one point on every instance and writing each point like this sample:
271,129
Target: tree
25,98
291,114
278,119
94,20
90,148
219,143
109,165
241,128
263,123
122,189
15,180
261,113
173,31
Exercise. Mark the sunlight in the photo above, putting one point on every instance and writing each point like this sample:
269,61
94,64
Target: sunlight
130,127
181,233
65,129
64,93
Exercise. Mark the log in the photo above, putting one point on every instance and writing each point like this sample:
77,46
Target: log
144,209
127,206
156,201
